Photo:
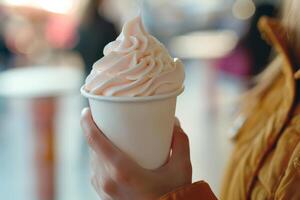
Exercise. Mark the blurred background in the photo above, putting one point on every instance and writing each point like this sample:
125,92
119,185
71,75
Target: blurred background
48,47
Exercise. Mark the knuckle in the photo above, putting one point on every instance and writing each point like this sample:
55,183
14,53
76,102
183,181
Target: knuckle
122,172
109,187
121,175
91,138
94,182
119,163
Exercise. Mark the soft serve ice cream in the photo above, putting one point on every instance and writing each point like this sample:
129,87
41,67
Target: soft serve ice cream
135,64
132,93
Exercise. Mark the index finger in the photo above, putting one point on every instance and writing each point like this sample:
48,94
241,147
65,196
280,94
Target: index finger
95,137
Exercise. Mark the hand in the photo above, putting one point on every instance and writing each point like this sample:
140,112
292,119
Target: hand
117,177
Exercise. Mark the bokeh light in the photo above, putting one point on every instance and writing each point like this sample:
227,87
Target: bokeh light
243,9
56,6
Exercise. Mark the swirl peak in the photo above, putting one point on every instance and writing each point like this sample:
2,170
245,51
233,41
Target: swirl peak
135,64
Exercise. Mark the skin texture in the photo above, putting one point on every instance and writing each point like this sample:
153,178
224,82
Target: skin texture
117,177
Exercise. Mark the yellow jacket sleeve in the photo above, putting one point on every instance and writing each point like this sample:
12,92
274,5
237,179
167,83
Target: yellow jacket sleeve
196,191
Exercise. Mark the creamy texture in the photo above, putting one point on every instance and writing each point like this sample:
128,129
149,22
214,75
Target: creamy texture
135,64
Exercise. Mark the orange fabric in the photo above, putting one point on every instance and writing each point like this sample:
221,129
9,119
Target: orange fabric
197,191
265,163
262,164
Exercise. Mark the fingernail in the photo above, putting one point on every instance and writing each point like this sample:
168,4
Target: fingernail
84,110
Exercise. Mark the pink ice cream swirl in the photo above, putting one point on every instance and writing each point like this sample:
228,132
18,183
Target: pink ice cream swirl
135,64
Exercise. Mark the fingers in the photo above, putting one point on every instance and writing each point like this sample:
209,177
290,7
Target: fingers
180,146
96,185
101,180
180,157
95,138
97,166
179,160
98,188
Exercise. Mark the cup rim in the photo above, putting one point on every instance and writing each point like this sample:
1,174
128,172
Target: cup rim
131,99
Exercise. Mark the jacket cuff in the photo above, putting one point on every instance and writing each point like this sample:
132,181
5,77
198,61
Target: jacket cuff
195,191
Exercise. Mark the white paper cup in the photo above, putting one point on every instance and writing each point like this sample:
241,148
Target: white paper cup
141,127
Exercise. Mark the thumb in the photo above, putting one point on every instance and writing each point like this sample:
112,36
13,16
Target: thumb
95,138
180,146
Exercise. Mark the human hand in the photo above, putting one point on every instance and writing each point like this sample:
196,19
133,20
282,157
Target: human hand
116,176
